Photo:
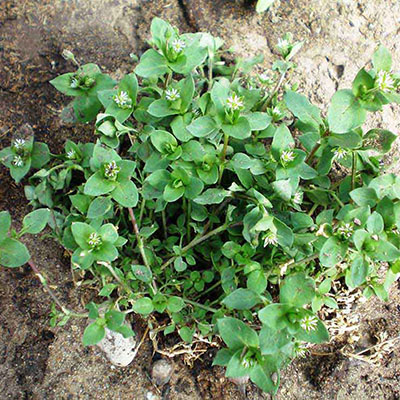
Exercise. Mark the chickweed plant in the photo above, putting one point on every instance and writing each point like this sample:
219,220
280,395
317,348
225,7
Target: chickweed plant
215,201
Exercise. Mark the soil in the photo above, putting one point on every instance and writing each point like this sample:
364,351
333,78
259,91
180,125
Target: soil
38,362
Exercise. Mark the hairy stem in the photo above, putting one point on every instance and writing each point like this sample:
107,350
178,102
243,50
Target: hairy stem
43,281
353,169
223,157
274,91
140,242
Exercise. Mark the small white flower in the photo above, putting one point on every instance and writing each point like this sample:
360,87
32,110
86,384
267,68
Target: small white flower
19,143
270,239
357,221
265,78
384,81
71,154
172,94
298,197
287,156
123,100
18,161
346,230
247,362
111,170
94,240
301,350
340,153
234,102
178,45
396,231
309,323
74,83
283,45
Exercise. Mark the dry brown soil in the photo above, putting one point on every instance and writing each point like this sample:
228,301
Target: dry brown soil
37,362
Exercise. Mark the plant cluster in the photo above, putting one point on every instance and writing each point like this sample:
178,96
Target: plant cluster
215,200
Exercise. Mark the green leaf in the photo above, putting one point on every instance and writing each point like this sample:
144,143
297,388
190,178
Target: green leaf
263,5
382,59
40,155
318,335
126,194
81,202
359,271
99,207
86,108
239,130
97,185
283,189
364,196
175,304
274,315
241,299
13,253
202,126
382,139
161,139
332,252
212,196
362,82
179,264
345,112
5,224
143,306
161,108
236,334
81,233
261,375
375,223
235,367
194,188
172,194
257,281
93,334
272,341
282,140
297,290
109,233
152,64
186,334
258,120
106,252
114,319
36,221
301,108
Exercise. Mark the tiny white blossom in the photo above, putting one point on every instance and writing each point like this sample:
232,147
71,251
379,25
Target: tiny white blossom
287,156
340,153
172,94
94,240
71,154
178,45
19,143
283,45
270,239
111,170
346,230
396,231
123,100
357,221
384,81
265,78
74,83
298,197
18,161
309,323
301,350
234,102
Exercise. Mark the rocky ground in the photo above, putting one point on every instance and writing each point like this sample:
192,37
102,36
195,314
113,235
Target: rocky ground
37,362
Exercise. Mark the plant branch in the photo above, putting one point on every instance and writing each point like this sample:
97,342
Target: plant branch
140,242
199,240
43,281
274,91
353,169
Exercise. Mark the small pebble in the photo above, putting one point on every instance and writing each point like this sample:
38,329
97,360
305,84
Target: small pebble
161,372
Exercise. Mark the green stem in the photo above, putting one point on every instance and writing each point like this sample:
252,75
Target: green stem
353,169
223,157
333,194
199,240
140,243
300,262
210,72
188,212
164,222
313,208
315,148
141,213
194,303
274,91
